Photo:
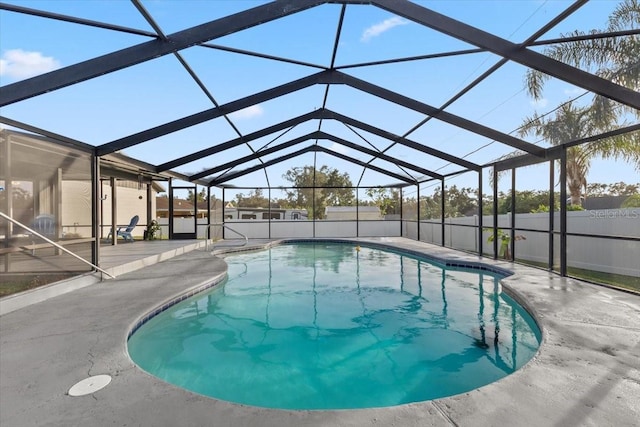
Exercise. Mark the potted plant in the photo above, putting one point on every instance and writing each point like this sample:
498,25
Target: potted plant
505,242
152,228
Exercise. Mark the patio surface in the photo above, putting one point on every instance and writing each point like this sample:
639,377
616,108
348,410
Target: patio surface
587,372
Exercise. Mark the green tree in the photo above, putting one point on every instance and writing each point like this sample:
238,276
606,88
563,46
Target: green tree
632,201
457,202
409,208
254,199
615,189
387,199
317,188
613,58
570,123
200,197
526,201
623,189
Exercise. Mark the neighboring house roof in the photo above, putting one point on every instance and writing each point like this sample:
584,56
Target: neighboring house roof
213,204
603,202
352,209
162,204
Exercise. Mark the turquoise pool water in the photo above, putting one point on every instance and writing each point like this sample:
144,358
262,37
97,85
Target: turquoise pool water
336,326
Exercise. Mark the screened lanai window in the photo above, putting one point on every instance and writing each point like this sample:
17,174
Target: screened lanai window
46,187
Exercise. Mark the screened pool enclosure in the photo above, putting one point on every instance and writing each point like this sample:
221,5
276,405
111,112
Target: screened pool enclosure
454,123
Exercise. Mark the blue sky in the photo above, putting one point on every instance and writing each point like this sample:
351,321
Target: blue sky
143,96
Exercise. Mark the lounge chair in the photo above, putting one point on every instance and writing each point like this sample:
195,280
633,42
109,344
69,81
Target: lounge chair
125,232
44,224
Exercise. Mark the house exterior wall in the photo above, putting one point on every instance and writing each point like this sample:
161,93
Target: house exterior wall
76,209
129,204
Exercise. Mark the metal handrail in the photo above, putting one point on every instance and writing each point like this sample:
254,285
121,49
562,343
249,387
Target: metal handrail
223,225
8,218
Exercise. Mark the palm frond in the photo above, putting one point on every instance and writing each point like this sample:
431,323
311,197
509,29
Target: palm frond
625,16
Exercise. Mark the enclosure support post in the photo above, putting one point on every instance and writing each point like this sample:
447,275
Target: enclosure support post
150,213
495,212
357,214
442,213
57,206
479,230
95,209
418,210
7,206
224,207
563,211
171,208
269,210
512,242
208,235
114,212
551,212
401,217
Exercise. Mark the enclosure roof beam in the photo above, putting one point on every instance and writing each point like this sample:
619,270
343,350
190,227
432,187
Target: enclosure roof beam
261,55
152,49
239,141
59,138
238,174
402,141
323,77
74,20
399,177
313,135
436,113
213,113
512,51
556,151
377,154
253,156
316,114
310,148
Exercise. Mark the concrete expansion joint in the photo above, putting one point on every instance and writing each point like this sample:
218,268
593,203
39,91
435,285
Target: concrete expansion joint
444,413
57,334
91,363
91,355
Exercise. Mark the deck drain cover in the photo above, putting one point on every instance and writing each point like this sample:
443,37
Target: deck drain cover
89,385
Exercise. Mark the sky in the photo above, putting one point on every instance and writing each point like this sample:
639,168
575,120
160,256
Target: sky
137,98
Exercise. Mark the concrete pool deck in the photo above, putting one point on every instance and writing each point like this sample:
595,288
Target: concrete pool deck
587,372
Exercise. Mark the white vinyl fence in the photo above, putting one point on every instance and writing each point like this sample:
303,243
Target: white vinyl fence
591,253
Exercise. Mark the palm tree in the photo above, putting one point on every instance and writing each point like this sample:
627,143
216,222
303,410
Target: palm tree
570,122
614,58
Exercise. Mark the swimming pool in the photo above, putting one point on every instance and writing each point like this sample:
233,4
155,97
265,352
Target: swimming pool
336,326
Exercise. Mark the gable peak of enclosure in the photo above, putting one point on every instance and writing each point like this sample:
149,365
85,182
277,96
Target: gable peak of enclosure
354,83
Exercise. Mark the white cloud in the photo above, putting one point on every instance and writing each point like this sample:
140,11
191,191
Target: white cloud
539,103
248,113
339,148
377,29
20,64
